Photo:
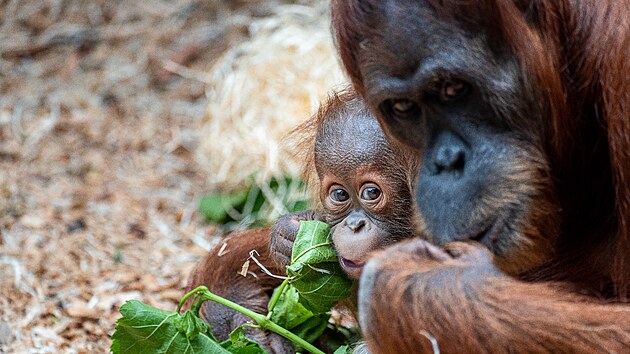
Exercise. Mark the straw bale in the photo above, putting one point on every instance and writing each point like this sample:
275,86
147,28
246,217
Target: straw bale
260,90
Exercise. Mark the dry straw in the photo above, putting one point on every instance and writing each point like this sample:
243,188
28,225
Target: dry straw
259,91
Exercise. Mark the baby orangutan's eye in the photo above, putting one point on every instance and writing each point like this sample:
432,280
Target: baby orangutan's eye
339,195
370,193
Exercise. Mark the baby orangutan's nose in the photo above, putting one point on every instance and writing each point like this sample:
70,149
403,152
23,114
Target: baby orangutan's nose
355,221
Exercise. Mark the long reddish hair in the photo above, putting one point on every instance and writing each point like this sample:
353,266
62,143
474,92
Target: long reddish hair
575,55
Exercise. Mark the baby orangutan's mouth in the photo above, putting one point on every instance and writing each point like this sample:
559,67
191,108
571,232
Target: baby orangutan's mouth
352,268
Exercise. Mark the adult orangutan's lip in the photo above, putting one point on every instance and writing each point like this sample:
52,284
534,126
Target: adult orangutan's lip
489,234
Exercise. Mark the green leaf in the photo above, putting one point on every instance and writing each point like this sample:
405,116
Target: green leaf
344,349
313,244
320,285
239,344
145,329
312,328
292,315
315,271
216,207
288,312
251,207
191,325
298,205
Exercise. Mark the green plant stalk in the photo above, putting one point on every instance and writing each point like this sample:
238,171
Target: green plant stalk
274,300
261,319
193,306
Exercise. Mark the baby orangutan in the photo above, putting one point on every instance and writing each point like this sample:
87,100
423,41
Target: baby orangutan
365,187
365,183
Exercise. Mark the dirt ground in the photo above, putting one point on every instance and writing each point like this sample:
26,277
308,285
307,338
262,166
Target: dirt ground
100,107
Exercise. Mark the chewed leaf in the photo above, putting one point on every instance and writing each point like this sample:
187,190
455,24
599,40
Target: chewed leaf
315,272
145,329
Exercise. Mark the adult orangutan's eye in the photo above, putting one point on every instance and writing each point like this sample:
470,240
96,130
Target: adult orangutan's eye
453,89
400,108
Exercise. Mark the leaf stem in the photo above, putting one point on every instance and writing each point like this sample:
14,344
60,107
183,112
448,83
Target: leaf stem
276,296
193,292
261,319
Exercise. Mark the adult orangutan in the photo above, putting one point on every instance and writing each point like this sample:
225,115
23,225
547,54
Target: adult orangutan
521,112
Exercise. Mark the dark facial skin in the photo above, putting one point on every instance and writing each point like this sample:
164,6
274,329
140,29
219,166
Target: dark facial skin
364,189
455,99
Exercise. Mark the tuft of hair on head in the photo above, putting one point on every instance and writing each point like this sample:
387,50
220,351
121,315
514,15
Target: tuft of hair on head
340,102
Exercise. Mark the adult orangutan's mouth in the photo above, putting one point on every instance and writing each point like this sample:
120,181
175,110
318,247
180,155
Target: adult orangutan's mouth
489,234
